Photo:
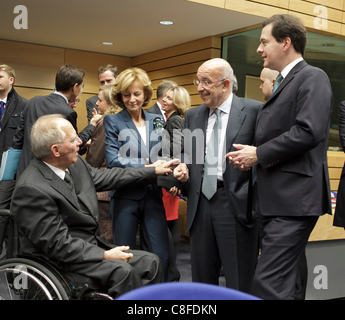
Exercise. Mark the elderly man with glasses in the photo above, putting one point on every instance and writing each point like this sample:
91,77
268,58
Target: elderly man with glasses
222,226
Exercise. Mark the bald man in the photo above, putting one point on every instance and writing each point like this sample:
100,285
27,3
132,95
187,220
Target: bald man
268,78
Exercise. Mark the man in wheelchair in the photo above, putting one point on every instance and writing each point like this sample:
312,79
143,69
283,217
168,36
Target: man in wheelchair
56,211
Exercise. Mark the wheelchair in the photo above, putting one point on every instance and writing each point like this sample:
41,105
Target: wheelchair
29,278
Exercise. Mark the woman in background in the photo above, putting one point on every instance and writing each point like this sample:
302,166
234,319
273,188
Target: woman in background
176,102
96,158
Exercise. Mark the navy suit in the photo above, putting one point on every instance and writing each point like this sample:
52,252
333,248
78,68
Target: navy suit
293,183
124,148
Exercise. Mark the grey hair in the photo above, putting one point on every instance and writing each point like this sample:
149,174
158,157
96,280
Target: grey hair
45,132
228,73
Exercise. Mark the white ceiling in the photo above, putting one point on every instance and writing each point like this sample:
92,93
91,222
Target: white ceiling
132,25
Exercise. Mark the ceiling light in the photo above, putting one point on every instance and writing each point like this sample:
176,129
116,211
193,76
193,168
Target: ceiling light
107,43
166,23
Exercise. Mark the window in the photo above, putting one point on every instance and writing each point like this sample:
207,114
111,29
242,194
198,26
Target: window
324,52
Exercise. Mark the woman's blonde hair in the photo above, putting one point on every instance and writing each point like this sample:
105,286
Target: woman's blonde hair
125,79
108,97
181,99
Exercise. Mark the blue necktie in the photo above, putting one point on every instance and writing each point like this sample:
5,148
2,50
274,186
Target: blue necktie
209,184
2,110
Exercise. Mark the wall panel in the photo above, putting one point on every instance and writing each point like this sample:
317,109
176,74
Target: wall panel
179,63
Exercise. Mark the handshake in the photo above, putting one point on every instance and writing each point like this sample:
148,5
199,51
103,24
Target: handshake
165,168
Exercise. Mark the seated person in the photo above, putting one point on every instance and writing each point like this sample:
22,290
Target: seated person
57,216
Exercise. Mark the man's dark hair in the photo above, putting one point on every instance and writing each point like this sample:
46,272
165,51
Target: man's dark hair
287,26
67,77
109,67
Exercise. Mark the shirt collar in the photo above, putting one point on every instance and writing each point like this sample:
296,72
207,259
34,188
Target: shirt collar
290,66
62,95
225,106
4,101
60,173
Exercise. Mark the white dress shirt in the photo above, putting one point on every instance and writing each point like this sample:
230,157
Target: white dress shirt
225,108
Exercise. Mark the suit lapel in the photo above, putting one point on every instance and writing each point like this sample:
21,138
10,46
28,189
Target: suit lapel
56,183
236,119
82,196
287,80
202,120
9,108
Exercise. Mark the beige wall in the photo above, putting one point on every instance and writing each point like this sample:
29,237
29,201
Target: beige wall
36,67
179,63
302,8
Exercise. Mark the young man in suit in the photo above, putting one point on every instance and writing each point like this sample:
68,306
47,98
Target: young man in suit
222,228
56,209
11,107
291,156
107,75
69,83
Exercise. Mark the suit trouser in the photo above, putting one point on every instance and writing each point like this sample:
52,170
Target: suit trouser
219,239
126,214
117,277
277,275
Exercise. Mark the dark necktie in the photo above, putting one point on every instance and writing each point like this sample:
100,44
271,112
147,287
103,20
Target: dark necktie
209,184
2,110
69,181
277,83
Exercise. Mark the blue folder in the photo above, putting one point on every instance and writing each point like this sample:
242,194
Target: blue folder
9,164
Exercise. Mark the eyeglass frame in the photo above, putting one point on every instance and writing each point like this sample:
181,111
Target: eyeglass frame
197,82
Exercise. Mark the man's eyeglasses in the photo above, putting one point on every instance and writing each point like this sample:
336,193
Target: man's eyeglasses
74,101
205,83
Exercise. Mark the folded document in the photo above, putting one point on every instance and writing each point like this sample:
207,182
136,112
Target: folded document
9,164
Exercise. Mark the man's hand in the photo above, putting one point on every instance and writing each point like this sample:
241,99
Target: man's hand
181,173
244,158
118,253
163,167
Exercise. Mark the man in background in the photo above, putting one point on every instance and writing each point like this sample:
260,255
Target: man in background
11,107
107,75
69,83
268,78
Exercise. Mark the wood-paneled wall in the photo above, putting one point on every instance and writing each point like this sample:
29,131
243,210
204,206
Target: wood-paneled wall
302,8
179,63
36,67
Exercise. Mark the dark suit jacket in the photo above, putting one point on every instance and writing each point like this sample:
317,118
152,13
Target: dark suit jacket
90,105
339,217
36,108
155,110
51,224
124,148
173,137
240,130
11,119
292,139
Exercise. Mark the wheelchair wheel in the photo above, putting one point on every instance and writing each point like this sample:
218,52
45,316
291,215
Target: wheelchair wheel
24,279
